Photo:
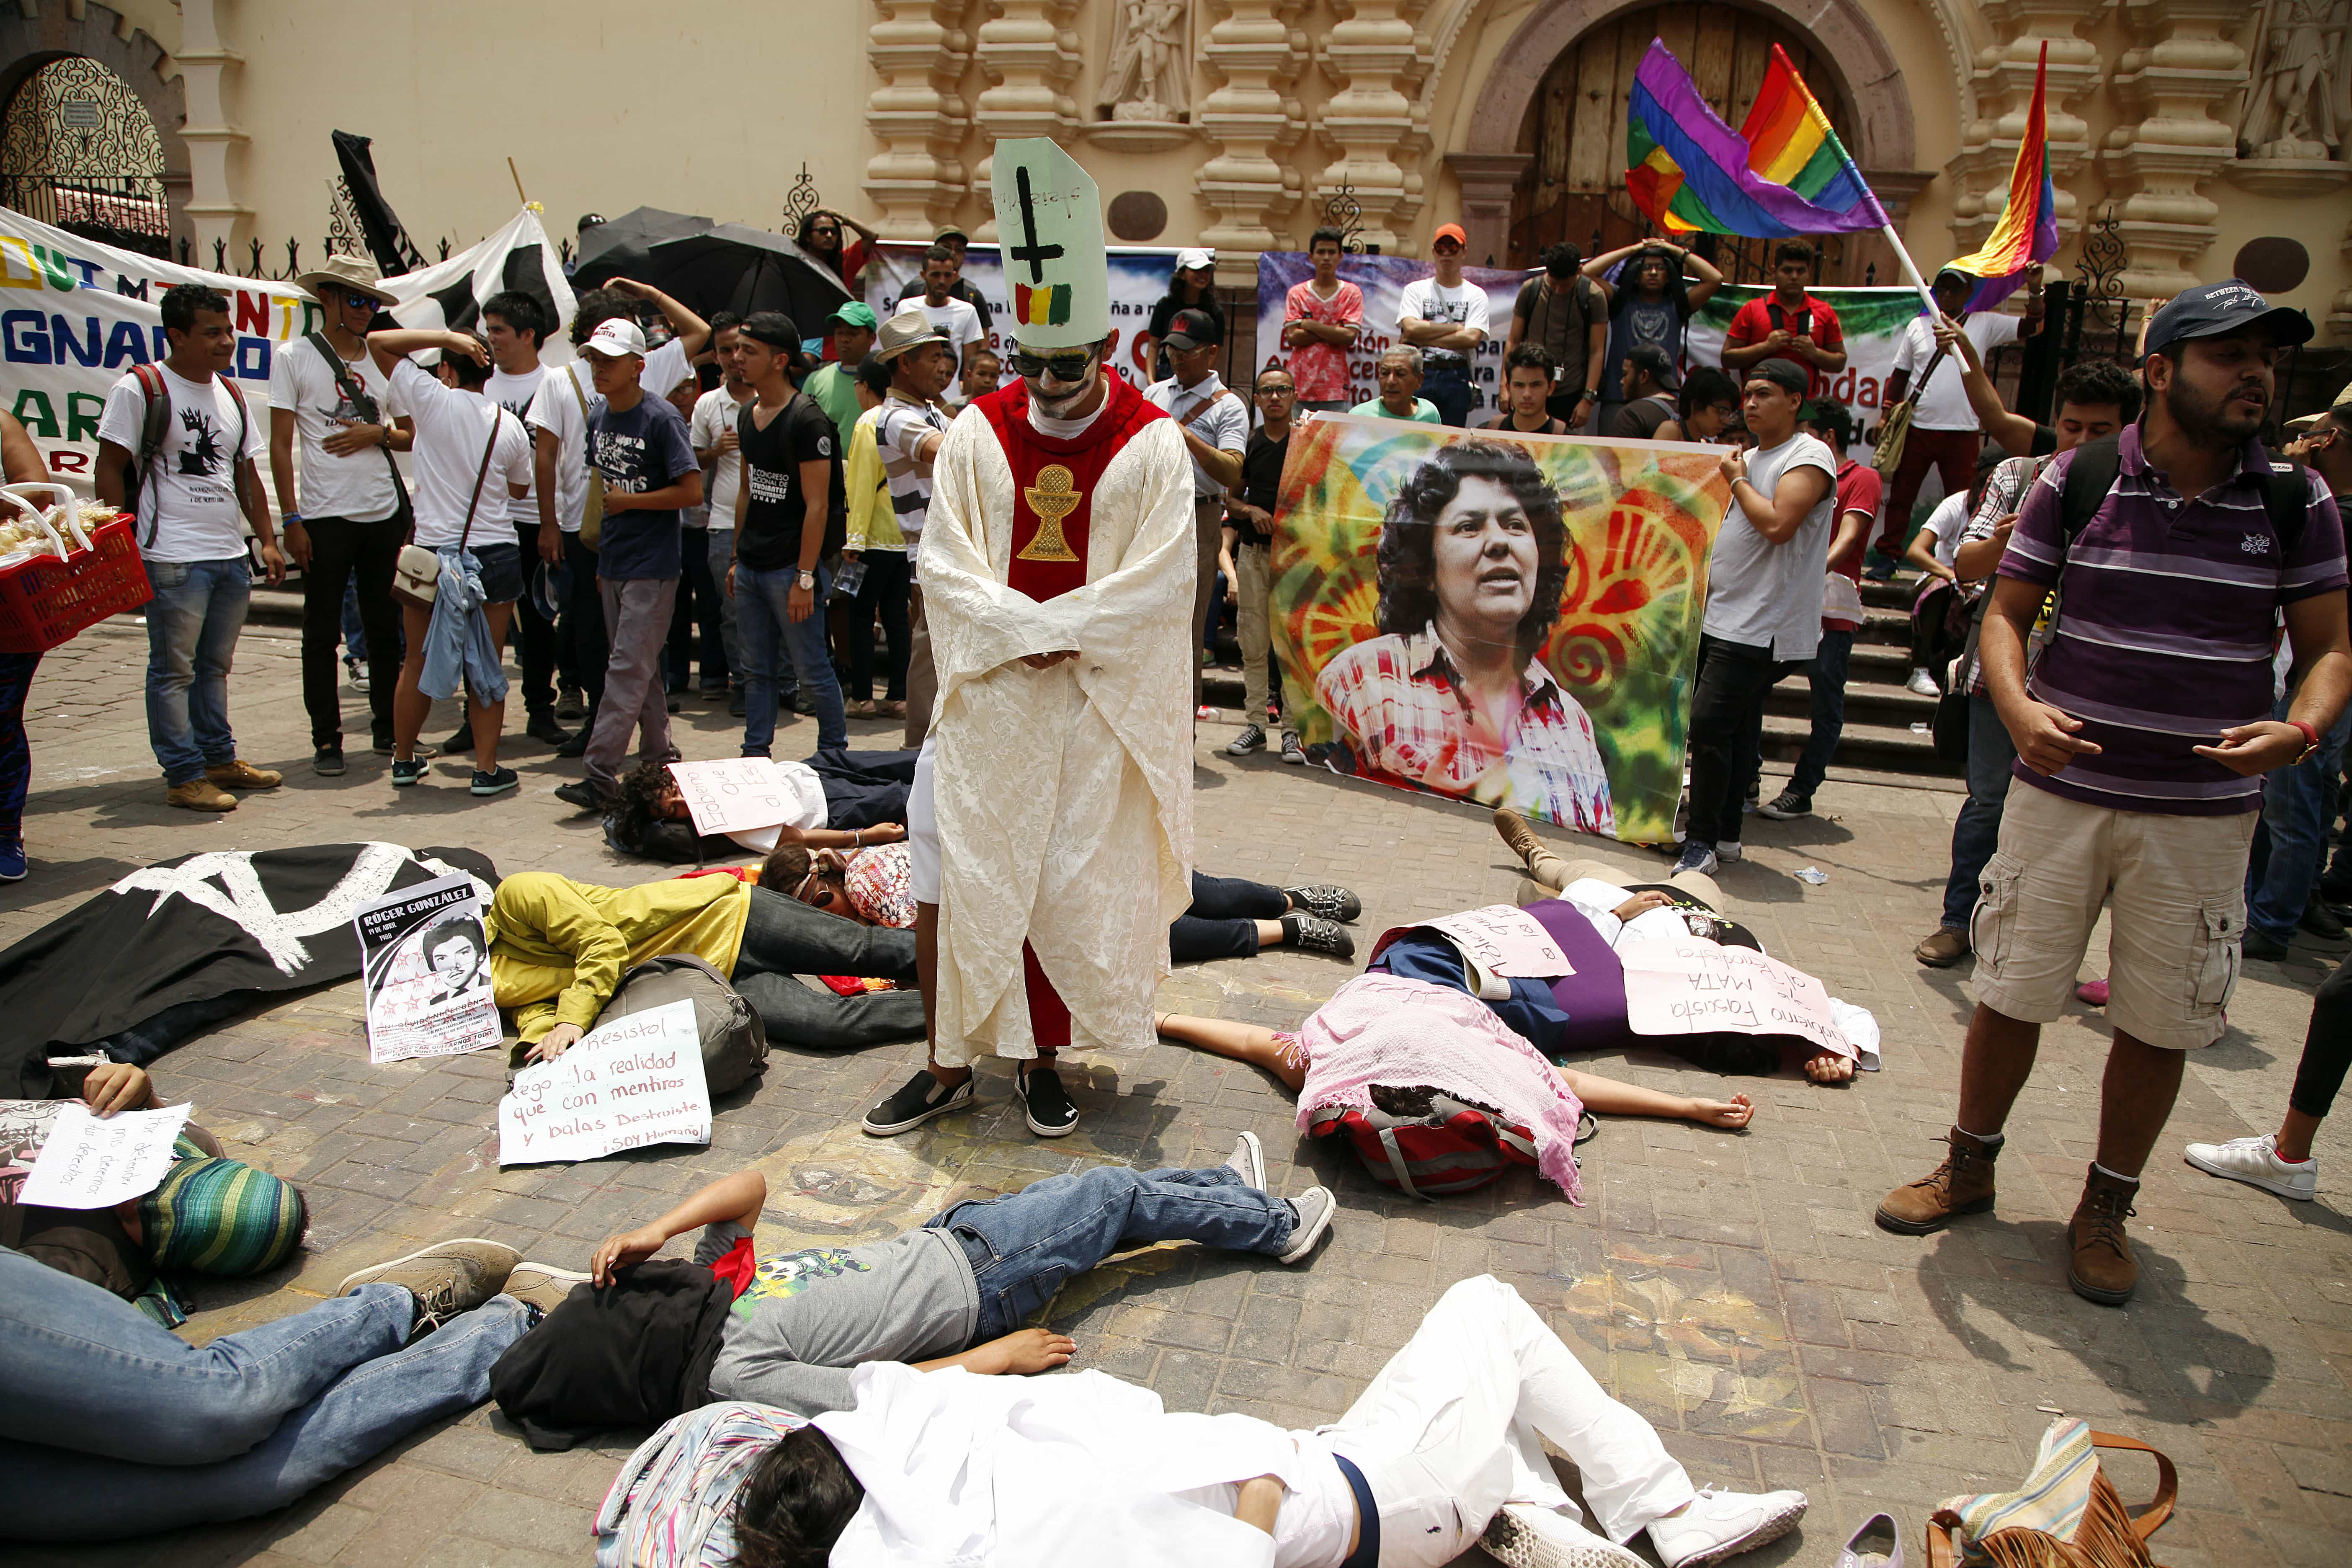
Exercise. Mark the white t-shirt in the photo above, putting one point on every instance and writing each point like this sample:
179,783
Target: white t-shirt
1947,523
1312,1526
452,429
961,323
188,496
514,394
1427,299
1222,422
357,485
1767,594
714,414
556,407
1944,404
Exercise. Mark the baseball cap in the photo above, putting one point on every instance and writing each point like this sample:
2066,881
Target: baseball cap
617,336
949,233
2341,406
550,588
1194,256
1657,362
2218,309
1194,330
1781,372
1452,231
905,331
856,313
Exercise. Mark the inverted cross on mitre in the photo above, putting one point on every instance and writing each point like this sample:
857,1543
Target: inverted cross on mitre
1052,498
1030,251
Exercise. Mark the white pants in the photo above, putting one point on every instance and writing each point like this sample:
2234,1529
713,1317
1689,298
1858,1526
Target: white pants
923,831
1447,1433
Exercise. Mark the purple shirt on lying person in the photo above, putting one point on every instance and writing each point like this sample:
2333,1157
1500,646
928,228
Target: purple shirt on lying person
2164,632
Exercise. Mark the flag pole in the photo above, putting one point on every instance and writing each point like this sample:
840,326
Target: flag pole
526,200
1910,267
1885,224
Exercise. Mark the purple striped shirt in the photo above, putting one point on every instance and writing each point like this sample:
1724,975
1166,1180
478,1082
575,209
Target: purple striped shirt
2164,634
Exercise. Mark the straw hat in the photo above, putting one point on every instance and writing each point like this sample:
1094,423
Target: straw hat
346,275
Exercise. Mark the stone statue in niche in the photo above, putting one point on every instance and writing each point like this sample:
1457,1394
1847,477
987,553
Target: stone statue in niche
1149,77
2299,103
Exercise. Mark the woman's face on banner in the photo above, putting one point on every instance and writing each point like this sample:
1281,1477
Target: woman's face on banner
453,959
1484,549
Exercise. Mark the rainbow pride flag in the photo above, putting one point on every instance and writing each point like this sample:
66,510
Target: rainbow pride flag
1784,173
2027,234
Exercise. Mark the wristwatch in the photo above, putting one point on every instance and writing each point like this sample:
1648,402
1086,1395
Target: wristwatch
808,581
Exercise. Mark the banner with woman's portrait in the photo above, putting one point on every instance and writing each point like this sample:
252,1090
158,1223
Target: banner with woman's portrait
1511,620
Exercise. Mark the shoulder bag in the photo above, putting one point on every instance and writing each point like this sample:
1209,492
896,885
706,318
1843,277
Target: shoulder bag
416,575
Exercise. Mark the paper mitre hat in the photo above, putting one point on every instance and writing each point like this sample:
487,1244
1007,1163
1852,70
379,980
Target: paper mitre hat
1050,231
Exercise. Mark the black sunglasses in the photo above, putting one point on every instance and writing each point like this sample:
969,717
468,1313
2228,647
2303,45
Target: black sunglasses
1066,367
361,301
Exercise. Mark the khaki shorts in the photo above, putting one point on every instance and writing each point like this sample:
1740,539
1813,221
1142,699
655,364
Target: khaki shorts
2175,888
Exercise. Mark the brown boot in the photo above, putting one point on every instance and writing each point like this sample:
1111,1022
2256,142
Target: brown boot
1961,1184
242,775
1515,832
199,794
2102,1268
1942,948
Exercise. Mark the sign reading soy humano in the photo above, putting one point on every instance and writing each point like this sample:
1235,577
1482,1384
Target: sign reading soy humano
425,965
634,1081
1506,619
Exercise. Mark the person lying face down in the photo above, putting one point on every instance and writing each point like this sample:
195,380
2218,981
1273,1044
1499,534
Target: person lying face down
640,1340
1444,1451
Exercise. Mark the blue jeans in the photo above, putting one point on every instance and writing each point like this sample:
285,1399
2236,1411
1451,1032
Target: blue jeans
191,626
1023,1245
1825,673
765,621
16,754
146,1432
2298,803
1976,832
354,633
1447,385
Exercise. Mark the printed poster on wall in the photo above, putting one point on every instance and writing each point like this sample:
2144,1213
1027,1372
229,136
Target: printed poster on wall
425,965
1507,621
1138,277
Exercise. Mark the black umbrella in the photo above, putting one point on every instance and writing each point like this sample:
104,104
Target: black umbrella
734,267
618,247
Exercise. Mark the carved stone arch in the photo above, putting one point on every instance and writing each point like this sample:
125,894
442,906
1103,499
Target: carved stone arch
1886,139
97,32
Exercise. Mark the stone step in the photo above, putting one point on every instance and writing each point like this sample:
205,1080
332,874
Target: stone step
1870,748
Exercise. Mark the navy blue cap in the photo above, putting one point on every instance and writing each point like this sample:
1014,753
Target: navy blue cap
550,585
2219,310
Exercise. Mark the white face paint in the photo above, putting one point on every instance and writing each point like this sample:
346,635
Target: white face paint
225,883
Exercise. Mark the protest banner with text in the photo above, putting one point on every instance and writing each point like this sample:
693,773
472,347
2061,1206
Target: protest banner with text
93,1162
1382,278
634,1081
1564,688
1138,277
425,967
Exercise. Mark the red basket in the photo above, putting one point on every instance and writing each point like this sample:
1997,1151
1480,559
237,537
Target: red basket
45,601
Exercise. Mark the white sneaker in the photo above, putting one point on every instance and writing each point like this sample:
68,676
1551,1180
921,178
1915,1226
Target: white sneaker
2255,1162
1716,1524
1923,683
1248,1161
1525,1536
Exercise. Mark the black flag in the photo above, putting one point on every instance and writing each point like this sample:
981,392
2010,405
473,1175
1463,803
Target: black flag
386,240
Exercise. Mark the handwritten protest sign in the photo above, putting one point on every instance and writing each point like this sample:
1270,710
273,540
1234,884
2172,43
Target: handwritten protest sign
1504,940
87,1163
632,1081
735,795
1693,987
426,964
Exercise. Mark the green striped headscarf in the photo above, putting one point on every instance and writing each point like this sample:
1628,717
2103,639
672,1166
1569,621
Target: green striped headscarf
222,1216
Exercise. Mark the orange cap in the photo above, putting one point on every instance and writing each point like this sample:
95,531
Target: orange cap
1452,231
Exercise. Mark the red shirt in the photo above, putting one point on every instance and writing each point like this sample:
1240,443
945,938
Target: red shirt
1757,319
1858,489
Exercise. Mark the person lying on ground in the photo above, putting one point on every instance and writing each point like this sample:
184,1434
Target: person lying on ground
558,949
1444,1451
839,800
1594,915
140,1431
1229,917
640,1339
210,1215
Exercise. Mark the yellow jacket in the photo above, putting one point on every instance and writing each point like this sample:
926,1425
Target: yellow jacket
872,521
558,947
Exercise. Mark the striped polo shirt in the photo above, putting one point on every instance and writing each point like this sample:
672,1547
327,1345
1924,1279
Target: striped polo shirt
2164,634
901,426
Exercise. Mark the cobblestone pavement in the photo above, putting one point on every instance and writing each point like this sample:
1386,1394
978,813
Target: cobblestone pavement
1730,1287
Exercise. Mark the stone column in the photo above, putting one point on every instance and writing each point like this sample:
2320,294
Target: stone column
216,143
2180,69
1030,55
1250,120
1489,181
920,52
2003,80
1376,58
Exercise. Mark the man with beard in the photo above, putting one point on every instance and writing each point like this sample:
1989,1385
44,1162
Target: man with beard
1051,819
2142,731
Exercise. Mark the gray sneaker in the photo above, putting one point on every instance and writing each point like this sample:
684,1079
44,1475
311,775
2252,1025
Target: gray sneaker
447,1278
1291,751
1314,1207
1248,1161
1250,739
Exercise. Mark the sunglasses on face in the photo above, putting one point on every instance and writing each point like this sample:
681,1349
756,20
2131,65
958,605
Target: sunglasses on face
1060,366
360,301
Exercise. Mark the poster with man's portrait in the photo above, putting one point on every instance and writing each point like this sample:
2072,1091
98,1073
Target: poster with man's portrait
425,965
1506,619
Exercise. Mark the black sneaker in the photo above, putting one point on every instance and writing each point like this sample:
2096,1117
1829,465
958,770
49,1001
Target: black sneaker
1327,900
461,743
580,792
1291,751
2321,922
1317,934
328,762
543,727
381,745
1250,739
404,773
2260,943
919,1099
575,747
1045,1103
571,704
497,781
1785,806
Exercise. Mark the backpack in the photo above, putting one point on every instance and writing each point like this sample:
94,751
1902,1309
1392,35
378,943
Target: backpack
1456,1148
734,1040
155,424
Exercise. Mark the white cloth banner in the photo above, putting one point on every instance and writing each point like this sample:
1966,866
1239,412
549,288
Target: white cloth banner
630,1082
1382,278
425,964
88,1164
74,315
1871,319
1138,277
1695,987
